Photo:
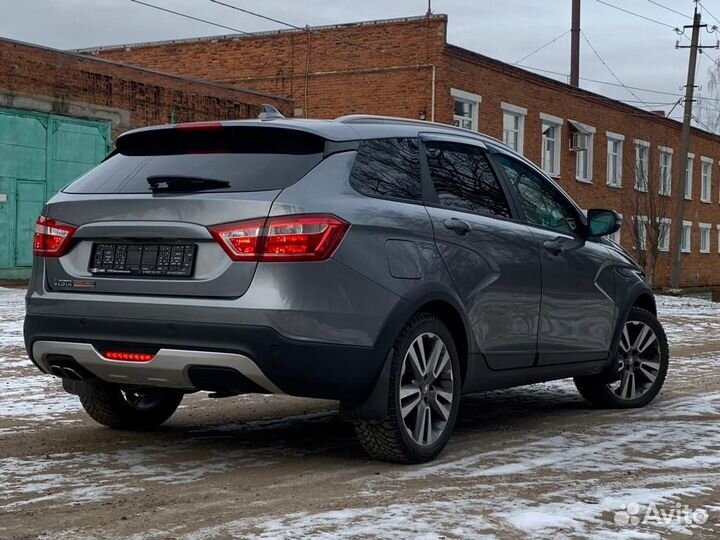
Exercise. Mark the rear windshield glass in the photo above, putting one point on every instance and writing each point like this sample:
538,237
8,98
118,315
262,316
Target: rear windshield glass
244,159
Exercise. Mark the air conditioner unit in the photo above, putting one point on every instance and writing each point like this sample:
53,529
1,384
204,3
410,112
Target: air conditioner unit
578,141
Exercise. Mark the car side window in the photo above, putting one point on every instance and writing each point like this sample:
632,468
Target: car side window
388,168
464,179
542,204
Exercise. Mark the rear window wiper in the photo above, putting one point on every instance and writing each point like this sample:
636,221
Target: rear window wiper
184,183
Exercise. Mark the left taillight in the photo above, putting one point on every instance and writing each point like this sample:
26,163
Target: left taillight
52,237
304,237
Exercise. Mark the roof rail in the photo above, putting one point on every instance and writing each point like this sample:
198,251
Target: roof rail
374,119
377,119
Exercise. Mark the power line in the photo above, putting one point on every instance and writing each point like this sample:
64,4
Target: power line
542,47
653,103
309,29
267,18
610,70
278,21
670,9
185,15
559,73
708,12
607,83
674,106
636,14
166,10
703,124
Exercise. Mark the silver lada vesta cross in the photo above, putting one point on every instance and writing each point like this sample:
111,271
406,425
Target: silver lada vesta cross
392,265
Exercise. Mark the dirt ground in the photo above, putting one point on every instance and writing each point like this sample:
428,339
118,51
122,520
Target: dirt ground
531,462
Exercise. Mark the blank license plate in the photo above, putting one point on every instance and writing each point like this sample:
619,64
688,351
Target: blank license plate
143,259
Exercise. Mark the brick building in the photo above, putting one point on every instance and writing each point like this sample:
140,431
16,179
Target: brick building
59,113
405,67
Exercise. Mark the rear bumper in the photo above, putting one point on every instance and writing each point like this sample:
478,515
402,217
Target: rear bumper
170,368
271,361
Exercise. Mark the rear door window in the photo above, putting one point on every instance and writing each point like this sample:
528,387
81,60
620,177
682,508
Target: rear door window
388,168
464,179
244,159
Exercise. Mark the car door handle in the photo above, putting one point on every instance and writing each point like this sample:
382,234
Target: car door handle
458,225
554,246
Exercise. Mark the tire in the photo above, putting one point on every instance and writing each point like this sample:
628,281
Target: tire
642,366
390,439
130,409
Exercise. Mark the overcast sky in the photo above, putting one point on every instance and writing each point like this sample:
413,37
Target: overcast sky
640,52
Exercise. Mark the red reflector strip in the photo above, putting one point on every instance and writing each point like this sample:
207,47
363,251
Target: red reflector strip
128,356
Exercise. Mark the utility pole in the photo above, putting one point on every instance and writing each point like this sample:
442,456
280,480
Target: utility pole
575,45
677,223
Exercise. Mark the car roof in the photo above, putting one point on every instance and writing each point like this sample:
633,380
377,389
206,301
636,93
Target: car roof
344,128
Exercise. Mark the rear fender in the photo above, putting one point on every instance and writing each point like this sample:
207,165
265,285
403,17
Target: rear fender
375,406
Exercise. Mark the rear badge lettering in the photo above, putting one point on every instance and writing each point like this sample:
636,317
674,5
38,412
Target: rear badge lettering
74,284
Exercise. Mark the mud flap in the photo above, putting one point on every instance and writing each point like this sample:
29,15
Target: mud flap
73,387
375,406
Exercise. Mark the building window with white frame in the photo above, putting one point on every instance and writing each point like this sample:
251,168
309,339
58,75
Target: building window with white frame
514,126
686,239
466,109
705,237
706,165
718,236
583,137
665,171
664,234
642,162
689,176
615,237
551,142
614,159
641,232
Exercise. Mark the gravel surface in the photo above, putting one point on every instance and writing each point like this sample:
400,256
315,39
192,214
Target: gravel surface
530,462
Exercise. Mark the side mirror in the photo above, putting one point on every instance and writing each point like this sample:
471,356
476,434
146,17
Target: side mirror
603,222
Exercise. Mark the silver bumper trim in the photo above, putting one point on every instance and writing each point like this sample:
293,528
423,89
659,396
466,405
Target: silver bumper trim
168,369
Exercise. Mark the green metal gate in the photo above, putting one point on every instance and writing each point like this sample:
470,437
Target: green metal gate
39,155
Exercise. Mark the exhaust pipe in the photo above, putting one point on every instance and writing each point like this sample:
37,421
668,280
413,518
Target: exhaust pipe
65,372
57,371
66,367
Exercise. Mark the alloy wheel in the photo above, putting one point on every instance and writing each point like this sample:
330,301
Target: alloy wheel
426,389
639,361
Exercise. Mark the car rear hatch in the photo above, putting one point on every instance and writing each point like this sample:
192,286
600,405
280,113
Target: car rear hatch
140,222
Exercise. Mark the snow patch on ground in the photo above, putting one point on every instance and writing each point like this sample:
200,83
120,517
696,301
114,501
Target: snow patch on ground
665,453
28,395
91,477
420,521
465,517
686,318
12,314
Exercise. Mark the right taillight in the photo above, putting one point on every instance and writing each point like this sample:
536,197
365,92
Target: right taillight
52,237
304,237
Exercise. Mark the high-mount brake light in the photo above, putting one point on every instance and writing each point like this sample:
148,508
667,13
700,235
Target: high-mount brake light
199,126
51,237
304,237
